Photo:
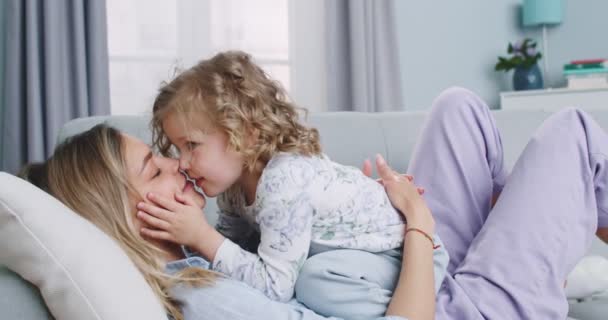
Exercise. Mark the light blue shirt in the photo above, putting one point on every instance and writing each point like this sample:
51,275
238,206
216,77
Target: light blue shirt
231,299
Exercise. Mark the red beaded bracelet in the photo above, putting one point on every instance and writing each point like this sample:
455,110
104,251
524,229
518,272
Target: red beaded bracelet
424,234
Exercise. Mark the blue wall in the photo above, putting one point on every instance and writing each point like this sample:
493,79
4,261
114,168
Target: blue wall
445,43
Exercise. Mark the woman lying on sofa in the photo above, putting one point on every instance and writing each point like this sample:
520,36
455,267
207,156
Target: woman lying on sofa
508,261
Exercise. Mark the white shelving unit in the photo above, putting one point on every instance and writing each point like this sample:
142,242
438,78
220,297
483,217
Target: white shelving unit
555,99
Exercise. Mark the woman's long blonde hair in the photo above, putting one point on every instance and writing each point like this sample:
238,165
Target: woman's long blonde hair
88,174
231,93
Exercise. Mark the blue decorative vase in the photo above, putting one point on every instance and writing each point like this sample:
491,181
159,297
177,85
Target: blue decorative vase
527,78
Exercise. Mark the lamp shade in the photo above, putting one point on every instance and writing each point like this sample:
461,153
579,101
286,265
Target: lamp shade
538,12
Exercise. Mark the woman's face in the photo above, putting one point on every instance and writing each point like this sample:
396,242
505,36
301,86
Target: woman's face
148,172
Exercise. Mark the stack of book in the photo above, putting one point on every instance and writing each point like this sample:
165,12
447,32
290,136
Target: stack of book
587,74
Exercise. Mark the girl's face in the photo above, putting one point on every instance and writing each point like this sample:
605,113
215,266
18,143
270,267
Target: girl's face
148,172
205,156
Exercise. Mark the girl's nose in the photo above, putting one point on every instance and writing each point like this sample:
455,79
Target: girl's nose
174,165
171,165
184,164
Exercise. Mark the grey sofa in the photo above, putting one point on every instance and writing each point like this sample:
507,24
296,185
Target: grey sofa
347,138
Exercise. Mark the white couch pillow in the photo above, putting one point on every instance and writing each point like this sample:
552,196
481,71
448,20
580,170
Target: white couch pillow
80,271
589,278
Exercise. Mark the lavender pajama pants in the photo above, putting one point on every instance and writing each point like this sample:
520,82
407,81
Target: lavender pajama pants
506,262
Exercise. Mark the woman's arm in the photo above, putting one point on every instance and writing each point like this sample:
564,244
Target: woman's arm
414,296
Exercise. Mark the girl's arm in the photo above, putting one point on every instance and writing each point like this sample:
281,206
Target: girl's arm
181,221
229,225
284,214
285,228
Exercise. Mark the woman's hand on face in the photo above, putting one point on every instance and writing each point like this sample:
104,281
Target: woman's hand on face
178,220
406,197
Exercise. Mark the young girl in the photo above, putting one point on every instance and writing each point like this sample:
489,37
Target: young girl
281,199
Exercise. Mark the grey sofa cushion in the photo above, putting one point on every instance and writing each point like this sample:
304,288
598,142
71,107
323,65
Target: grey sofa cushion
20,299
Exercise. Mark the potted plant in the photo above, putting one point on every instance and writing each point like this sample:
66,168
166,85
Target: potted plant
523,58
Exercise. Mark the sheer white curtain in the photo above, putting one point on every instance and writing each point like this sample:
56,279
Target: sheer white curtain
363,72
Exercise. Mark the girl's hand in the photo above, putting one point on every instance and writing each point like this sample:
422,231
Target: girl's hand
178,220
406,197
367,171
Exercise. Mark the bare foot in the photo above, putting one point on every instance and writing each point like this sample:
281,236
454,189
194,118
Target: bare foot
602,233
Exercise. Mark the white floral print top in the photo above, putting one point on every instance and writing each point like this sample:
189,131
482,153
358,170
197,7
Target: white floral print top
301,203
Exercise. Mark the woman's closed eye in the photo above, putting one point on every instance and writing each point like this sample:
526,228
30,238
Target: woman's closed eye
156,174
191,145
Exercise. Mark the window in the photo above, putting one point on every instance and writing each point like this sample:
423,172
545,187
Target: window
142,51
150,40
259,27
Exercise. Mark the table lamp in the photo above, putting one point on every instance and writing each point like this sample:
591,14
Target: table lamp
543,13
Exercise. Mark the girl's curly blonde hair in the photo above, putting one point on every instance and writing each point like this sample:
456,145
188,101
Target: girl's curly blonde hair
231,93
